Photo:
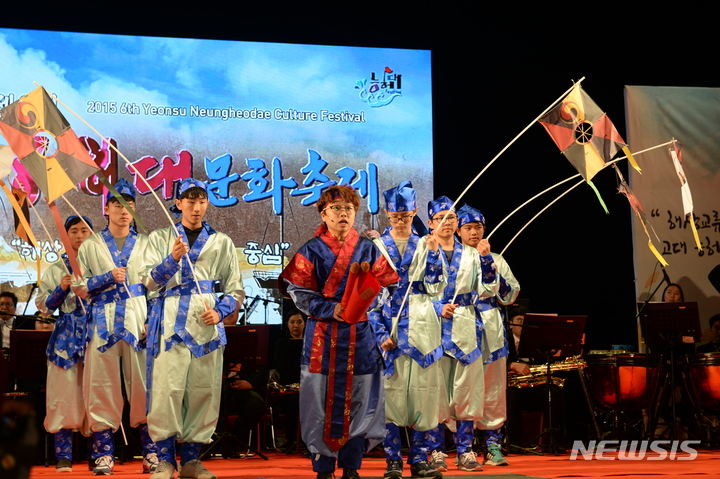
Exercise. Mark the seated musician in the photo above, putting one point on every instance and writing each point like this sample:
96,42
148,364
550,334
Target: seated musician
673,293
714,345
44,323
525,397
287,356
8,304
243,399
243,393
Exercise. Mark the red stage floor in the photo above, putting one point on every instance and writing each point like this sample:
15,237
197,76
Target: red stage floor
707,464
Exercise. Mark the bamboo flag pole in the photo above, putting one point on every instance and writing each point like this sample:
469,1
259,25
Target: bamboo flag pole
103,247
139,175
531,199
608,164
112,261
541,212
513,141
109,143
47,232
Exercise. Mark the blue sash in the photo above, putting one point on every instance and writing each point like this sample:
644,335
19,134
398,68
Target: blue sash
117,294
465,299
486,304
69,331
390,308
184,291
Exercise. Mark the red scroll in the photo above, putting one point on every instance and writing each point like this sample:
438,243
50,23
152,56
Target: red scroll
360,291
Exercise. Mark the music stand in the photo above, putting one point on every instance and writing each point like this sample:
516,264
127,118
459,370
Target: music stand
668,322
671,324
545,332
242,347
547,335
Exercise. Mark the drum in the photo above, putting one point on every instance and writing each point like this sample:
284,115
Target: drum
624,381
702,377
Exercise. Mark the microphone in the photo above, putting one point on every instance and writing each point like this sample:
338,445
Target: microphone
665,275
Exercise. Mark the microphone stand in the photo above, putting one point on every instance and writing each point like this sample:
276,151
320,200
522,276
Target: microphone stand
512,447
650,434
32,290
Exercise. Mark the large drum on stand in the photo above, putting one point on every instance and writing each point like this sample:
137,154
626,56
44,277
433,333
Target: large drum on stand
702,379
627,382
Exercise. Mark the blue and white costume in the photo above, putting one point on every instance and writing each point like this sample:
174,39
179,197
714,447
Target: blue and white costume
462,337
499,288
64,406
118,312
414,389
184,354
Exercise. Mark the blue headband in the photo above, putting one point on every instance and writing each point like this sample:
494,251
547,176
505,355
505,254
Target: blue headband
185,185
468,214
443,203
124,187
400,198
188,183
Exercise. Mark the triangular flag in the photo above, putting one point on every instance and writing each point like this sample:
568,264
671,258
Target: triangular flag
583,132
45,144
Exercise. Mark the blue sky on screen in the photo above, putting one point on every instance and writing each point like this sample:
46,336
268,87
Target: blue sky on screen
172,72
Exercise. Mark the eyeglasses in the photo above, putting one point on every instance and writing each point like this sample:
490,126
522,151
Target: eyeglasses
340,209
448,218
400,219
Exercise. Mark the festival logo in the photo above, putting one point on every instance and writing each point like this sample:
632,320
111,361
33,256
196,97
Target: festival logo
380,90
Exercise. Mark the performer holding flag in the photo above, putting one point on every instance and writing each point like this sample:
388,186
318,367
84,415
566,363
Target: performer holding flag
342,408
499,287
186,335
411,339
65,410
461,338
111,262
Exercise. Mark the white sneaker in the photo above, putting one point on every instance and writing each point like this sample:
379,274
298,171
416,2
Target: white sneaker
438,460
467,462
164,470
104,466
195,469
150,462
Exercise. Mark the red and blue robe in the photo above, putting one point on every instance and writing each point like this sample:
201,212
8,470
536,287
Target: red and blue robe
338,351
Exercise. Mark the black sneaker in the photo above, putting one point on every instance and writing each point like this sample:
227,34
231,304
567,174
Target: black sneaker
350,474
325,475
423,469
63,465
394,469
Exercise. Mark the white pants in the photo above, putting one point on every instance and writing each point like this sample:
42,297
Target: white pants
185,395
102,390
64,406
